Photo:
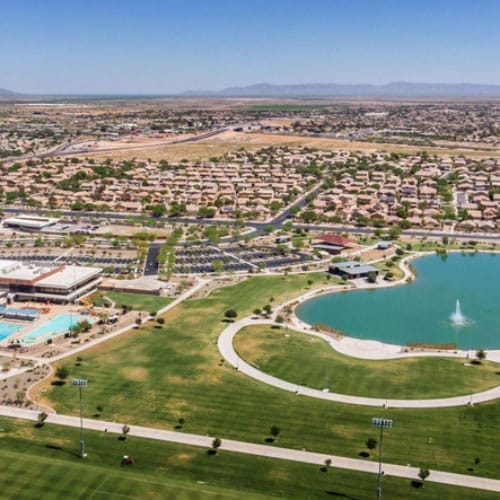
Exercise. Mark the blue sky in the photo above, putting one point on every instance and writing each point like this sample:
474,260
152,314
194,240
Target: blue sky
148,46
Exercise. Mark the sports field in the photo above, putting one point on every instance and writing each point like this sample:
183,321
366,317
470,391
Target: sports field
154,376
138,301
44,463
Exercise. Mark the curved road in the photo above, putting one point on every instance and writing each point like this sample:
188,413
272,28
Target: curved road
225,345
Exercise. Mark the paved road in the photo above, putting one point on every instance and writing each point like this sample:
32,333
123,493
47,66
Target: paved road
225,345
63,150
260,450
259,227
151,267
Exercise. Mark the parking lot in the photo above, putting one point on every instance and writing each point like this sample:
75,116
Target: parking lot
234,258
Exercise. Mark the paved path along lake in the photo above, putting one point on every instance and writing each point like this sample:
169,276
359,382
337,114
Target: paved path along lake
420,312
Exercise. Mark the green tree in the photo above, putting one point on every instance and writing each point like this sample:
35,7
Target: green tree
216,444
125,431
423,474
62,373
371,443
208,212
40,419
230,314
394,233
308,216
218,266
267,309
158,210
274,431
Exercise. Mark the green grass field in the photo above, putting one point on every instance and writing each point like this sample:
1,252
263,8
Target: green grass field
44,463
156,376
310,361
139,301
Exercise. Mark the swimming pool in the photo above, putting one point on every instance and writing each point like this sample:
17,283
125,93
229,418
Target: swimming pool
53,328
7,329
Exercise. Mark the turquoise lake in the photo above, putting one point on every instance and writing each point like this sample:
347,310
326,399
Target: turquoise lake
420,312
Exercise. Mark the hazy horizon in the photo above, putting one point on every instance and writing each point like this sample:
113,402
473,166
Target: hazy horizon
166,48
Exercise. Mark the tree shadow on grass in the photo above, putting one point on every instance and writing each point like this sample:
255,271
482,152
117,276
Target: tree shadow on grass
61,449
339,494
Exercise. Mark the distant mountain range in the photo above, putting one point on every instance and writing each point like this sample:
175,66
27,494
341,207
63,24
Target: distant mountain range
7,93
394,89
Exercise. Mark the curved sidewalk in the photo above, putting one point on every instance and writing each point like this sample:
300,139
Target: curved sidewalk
225,345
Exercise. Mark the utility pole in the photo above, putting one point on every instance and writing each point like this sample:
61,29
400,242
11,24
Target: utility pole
382,423
80,383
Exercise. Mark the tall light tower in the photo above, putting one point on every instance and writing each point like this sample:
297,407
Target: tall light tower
81,382
382,423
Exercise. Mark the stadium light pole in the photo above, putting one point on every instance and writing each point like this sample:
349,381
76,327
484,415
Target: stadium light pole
382,423
81,382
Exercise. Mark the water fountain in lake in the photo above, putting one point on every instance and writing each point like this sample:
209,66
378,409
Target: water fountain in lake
457,318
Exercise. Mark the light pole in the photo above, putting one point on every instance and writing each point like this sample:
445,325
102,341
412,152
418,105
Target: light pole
382,423
81,382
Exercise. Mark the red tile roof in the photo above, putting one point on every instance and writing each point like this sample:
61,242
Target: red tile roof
334,239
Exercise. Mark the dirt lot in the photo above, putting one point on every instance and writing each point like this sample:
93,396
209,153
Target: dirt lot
127,230
13,390
231,141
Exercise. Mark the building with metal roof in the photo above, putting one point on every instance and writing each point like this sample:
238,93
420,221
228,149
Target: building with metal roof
352,269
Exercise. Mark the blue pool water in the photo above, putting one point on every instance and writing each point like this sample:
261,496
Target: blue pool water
55,327
7,329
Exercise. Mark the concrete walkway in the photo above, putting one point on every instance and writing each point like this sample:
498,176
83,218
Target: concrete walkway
260,450
225,345
104,338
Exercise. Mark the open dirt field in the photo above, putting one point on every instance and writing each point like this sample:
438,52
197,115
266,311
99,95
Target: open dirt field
231,141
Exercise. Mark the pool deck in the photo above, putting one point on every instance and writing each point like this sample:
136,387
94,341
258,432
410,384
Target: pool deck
54,310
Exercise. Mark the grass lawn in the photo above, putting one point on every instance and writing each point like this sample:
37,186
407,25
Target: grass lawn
388,266
309,361
139,301
44,463
154,376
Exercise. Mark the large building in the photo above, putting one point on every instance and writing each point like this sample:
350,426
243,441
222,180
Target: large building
352,270
30,222
57,283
